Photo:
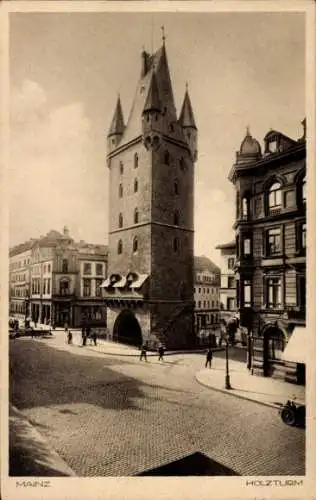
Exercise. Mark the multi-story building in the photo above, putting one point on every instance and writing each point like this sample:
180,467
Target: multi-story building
271,245
19,279
64,279
228,281
149,292
206,297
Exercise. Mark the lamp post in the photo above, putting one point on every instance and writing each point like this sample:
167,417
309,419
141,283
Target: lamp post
227,377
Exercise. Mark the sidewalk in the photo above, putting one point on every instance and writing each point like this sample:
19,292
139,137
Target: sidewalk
29,452
265,390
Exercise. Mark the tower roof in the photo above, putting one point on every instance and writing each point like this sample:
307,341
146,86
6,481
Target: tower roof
250,145
153,101
147,88
117,125
186,116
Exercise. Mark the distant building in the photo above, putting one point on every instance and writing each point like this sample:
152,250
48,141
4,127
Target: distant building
59,280
206,298
228,281
271,251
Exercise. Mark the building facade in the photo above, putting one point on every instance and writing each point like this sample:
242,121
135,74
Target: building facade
206,298
228,306
271,252
63,280
149,290
19,279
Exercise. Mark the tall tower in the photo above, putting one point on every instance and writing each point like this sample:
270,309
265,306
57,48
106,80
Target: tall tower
149,290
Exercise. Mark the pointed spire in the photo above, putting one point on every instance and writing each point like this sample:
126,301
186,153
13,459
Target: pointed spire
186,116
163,36
152,102
248,131
117,126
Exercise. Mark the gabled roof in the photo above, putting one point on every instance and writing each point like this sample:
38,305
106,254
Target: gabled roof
117,125
186,116
203,263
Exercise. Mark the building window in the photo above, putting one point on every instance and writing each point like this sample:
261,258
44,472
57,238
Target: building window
182,163
275,197
64,287
135,186
301,291
245,208
304,190
98,289
199,304
136,216
247,293
231,282
120,220
303,236
247,247
230,304
176,244
274,293
48,268
167,158
87,268
135,244
121,168
135,160
48,286
87,287
65,266
176,218
274,241
230,263
120,190
99,269
120,247
176,187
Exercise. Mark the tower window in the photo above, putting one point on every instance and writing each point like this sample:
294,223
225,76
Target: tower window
121,167
167,158
135,186
176,244
176,218
120,247
245,207
120,220
136,216
120,190
176,187
135,244
135,160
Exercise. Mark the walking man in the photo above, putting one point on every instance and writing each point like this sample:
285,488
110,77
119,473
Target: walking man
69,337
209,357
161,351
143,353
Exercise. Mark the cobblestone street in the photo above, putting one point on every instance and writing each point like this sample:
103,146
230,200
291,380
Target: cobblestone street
113,415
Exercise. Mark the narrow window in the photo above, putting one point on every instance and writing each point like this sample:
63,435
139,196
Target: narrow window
275,197
176,187
135,160
120,190
120,220
135,244
274,293
120,247
247,293
136,216
274,241
121,168
303,236
176,218
135,186
65,266
175,244
167,158
304,190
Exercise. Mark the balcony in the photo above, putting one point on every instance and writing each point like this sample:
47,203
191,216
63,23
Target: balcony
295,313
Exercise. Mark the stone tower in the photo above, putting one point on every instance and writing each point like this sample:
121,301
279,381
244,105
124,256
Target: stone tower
149,290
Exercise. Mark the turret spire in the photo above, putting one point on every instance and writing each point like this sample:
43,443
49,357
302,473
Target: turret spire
186,116
117,125
152,102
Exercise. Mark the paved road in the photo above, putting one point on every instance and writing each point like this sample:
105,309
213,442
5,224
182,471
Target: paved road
111,415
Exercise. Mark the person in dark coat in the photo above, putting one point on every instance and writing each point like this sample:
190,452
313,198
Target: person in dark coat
94,337
161,351
209,357
69,337
143,353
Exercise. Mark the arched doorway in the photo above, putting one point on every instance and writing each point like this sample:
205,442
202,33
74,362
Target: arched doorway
273,346
127,329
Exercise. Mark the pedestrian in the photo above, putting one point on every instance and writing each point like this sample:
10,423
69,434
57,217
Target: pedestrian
94,336
143,353
161,351
66,333
69,337
209,357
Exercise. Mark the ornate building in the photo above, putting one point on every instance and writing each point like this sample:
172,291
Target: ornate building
271,245
149,290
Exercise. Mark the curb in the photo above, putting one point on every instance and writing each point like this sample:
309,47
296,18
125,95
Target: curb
230,392
53,461
149,354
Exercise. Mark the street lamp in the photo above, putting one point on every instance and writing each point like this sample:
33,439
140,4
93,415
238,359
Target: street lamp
227,377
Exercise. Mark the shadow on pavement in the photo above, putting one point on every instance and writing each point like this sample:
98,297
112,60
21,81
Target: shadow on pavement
196,464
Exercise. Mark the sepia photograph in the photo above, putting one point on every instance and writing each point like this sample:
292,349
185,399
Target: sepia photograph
157,200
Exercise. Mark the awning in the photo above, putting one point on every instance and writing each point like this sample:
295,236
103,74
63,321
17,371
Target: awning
105,283
296,348
121,283
140,281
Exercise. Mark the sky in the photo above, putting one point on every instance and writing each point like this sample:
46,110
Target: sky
66,70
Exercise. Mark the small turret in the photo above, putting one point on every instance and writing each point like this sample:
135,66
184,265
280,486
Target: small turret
117,127
188,125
